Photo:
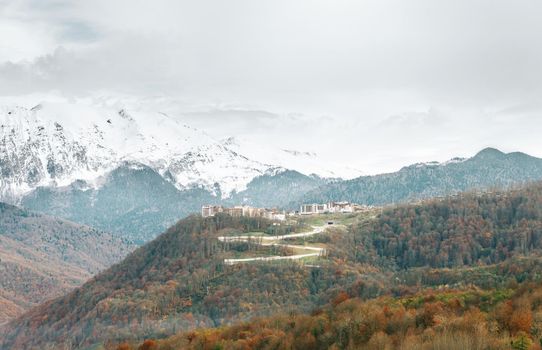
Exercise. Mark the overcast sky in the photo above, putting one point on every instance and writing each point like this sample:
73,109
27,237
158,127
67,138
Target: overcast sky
376,84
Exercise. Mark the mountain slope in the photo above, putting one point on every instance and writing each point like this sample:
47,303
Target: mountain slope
42,257
58,143
134,201
455,319
55,144
135,172
487,169
138,203
179,281
276,188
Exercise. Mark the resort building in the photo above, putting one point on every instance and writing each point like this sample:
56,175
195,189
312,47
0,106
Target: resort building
331,207
245,210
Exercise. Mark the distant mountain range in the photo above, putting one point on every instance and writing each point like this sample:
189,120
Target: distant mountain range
136,201
42,257
136,173
490,168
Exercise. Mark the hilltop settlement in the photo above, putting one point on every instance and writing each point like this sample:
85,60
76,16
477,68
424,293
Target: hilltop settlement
281,215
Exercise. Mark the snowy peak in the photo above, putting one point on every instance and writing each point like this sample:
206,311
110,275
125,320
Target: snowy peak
300,154
58,143
130,134
35,152
212,164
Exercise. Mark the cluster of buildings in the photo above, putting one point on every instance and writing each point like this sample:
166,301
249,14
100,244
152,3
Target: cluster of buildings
243,210
275,214
331,207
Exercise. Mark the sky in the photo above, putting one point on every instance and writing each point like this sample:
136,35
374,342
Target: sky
375,85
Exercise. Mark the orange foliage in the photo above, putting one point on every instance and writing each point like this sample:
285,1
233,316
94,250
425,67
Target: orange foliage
148,344
191,336
521,320
341,297
427,316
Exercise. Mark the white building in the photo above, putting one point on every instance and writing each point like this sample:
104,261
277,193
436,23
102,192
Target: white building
340,207
211,210
309,209
330,207
237,211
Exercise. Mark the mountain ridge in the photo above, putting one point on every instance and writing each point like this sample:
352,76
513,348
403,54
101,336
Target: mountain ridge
487,169
146,214
58,143
42,257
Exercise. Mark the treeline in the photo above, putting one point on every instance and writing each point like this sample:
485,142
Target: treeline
464,230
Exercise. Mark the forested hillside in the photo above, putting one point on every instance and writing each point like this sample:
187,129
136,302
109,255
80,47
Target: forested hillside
176,282
179,281
277,190
42,257
464,230
502,319
137,202
134,202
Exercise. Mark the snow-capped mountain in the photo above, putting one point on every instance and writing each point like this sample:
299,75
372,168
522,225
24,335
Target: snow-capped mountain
308,163
57,143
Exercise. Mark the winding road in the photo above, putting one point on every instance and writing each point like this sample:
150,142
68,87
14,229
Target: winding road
273,241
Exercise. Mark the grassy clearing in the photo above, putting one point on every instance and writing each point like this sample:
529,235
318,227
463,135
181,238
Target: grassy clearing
338,218
262,252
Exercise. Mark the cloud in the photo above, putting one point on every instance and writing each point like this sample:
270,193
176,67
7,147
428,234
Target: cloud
371,77
456,50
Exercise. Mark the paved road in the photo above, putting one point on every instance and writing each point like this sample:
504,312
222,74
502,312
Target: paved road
315,230
273,241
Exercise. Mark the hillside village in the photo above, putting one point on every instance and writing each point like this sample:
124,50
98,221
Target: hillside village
333,207
243,210
297,251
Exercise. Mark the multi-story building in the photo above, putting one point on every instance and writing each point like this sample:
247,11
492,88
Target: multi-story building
211,210
331,207
248,211
340,207
274,214
308,209
236,211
